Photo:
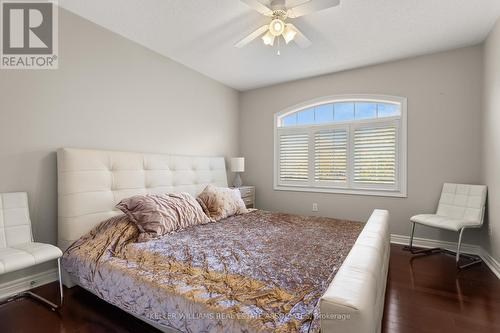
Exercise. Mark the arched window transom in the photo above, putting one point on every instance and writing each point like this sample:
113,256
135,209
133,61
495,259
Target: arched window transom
343,144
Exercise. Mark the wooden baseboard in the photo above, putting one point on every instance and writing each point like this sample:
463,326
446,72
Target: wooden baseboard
27,282
491,262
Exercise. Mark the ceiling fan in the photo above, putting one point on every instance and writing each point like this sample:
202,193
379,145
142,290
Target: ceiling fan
278,26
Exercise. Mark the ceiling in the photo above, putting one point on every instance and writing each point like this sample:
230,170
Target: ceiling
201,33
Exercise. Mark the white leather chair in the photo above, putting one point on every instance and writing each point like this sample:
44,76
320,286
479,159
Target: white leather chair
460,207
17,248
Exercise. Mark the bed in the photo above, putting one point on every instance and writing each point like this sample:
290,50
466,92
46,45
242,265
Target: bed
332,279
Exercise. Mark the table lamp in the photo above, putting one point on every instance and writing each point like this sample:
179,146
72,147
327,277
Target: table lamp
238,166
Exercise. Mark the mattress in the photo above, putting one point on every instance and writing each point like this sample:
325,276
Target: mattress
256,272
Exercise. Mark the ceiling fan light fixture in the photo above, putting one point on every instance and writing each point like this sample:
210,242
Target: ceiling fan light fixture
268,38
289,33
277,27
278,12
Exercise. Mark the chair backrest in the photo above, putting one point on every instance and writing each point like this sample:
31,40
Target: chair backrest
15,224
462,201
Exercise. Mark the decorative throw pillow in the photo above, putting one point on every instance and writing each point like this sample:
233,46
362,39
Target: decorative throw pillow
158,214
220,202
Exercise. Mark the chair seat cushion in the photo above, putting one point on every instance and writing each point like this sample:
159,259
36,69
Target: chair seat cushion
25,255
442,222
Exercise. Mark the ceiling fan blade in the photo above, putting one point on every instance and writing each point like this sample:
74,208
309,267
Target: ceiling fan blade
259,6
301,40
311,7
252,36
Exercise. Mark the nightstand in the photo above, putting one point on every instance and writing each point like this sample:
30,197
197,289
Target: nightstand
248,195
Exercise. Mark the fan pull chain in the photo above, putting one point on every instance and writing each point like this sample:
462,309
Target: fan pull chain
279,52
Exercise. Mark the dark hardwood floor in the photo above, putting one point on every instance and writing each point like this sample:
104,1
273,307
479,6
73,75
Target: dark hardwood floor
424,295
427,294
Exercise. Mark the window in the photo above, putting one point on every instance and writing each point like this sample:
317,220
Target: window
344,144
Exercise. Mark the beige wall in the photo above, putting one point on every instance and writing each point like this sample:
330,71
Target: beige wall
491,141
108,93
444,98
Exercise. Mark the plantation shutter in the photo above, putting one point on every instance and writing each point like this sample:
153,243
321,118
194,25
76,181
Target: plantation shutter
375,155
330,156
294,157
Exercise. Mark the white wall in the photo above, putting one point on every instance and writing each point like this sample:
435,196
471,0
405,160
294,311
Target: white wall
444,111
491,141
108,93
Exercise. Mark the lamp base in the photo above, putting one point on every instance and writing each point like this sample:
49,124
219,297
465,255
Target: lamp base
237,180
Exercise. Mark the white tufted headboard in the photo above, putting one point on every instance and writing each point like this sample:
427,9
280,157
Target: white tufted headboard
92,182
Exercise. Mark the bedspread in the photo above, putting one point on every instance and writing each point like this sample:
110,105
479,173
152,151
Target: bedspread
256,272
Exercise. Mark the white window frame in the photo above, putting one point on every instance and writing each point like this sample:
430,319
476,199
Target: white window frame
397,190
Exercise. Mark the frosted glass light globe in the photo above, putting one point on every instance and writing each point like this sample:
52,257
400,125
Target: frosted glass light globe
277,27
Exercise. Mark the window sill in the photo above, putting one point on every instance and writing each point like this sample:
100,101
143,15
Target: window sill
368,192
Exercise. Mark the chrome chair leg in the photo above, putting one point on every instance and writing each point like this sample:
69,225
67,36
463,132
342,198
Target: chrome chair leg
419,251
39,298
473,259
411,236
457,258
59,275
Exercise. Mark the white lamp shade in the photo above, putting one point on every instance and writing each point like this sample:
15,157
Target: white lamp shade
289,33
268,39
237,164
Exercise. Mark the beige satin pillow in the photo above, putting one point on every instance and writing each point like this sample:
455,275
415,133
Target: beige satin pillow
158,214
221,202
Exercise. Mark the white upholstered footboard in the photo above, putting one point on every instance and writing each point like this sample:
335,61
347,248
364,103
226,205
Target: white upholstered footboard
354,301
